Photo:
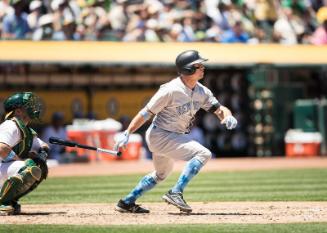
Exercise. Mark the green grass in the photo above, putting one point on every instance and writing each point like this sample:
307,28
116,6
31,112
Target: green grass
277,185
221,228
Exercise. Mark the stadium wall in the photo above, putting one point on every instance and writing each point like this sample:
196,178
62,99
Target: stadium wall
111,79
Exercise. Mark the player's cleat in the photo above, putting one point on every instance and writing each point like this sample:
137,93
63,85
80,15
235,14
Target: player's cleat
13,209
17,208
6,210
130,208
177,200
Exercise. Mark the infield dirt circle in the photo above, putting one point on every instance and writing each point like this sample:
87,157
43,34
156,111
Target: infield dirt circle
161,213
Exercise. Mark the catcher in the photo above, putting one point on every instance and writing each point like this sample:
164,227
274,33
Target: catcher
22,154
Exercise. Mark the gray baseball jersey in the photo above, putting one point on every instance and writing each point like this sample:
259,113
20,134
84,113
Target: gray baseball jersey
175,105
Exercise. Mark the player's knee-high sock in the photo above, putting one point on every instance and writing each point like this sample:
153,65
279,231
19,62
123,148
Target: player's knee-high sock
145,184
192,168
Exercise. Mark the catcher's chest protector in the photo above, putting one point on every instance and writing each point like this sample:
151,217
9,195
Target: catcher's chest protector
25,145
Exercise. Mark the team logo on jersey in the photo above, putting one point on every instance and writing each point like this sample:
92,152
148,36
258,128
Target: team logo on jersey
186,108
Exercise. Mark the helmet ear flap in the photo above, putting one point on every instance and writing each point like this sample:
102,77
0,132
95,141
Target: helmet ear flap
188,70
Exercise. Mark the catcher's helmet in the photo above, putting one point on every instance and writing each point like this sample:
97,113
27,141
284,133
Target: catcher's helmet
186,60
26,100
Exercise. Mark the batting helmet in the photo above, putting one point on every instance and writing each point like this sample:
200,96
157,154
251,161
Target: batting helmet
186,60
26,100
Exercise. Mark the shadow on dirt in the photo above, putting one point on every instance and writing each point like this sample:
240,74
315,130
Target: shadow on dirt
42,213
221,214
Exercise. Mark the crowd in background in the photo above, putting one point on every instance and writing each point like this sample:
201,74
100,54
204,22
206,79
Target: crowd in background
224,21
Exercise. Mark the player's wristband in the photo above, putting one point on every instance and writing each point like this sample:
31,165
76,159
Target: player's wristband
11,156
145,114
214,107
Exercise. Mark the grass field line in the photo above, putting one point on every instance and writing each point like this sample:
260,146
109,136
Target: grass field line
219,164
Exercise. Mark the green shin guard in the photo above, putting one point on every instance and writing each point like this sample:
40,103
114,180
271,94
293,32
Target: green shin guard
19,185
10,189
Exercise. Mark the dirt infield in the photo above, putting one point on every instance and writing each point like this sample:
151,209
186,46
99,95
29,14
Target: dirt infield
161,213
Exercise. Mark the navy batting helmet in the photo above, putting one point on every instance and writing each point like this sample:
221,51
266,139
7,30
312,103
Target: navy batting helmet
186,60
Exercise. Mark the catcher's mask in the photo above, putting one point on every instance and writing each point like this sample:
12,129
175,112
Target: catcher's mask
27,100
186,60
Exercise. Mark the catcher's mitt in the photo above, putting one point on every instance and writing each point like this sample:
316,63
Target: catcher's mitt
41,161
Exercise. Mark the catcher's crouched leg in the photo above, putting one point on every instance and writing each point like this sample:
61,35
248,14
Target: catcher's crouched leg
17,186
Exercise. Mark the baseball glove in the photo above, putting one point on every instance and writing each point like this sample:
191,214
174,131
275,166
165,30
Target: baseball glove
41,161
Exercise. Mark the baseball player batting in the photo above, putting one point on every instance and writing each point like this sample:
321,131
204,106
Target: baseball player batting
174,107
22,154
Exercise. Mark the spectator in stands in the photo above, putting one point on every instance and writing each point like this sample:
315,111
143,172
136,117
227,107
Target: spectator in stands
103,25
68,31
15,24
161,20
288,28
188,30
34,15
265,13
235,35
245,14
298,6
173,35
118,15
319,37
219,14
151,31
88,29
213,33
317,4
65,15
136,27
5,9
55,129
167,14
45,30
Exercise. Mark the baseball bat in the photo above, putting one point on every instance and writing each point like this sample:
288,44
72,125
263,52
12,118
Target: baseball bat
63,142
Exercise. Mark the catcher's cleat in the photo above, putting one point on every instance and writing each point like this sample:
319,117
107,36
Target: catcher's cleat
13,209
130,208
6,210
177,200
17,207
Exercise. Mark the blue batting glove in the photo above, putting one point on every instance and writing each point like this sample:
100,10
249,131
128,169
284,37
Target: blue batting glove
121,140
230,122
